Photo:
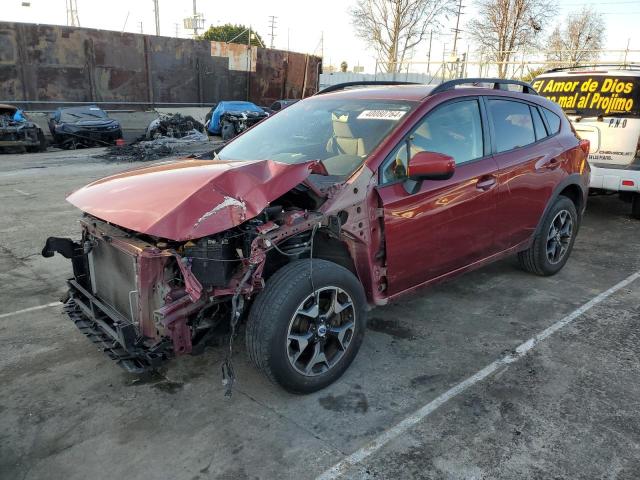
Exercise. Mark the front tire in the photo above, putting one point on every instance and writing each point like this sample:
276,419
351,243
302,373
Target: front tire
554,241
304,340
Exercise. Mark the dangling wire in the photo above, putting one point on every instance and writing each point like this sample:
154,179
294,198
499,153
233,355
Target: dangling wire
228,373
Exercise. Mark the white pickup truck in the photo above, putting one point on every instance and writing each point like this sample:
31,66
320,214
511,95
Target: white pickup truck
603,105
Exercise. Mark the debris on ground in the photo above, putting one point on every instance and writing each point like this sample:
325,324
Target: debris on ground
173,125
169,135
161,147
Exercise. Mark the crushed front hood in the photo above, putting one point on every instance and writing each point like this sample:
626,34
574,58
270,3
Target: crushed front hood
190,198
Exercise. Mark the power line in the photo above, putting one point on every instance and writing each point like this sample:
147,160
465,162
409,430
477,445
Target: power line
579,4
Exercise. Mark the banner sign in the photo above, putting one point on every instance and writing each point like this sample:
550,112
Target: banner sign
592,95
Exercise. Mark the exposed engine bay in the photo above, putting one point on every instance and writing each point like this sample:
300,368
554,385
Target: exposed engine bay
144,299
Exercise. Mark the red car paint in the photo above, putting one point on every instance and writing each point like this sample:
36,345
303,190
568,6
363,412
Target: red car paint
395,241
188,199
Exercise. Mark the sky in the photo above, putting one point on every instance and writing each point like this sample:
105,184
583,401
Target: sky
304,26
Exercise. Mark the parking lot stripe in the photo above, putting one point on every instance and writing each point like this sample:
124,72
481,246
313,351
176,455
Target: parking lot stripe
388,435
30,309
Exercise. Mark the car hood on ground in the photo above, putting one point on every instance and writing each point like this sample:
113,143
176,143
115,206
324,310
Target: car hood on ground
191,198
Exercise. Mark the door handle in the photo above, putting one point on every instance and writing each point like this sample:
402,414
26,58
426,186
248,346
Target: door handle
486,183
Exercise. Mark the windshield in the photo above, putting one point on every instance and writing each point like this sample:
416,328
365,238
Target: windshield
592,95
84,114
341,132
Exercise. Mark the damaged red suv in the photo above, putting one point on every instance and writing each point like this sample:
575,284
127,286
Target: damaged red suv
341,202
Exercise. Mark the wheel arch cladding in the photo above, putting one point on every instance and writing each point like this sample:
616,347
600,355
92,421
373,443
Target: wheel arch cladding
333,250
574,193
571,185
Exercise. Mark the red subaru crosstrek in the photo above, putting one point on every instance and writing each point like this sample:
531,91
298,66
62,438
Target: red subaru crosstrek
343,201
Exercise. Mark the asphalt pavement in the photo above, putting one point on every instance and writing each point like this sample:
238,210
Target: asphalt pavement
414,404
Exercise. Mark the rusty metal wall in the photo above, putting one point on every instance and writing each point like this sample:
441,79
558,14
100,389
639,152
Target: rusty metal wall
45,63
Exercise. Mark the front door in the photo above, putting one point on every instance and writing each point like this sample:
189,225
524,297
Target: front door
447,224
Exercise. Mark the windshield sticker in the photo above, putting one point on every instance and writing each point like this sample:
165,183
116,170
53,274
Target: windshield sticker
381,115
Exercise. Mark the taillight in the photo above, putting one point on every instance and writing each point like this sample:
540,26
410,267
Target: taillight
585,145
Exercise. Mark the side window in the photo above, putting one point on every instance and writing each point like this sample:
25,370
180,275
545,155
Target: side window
538,124
454,129
553,120
512,124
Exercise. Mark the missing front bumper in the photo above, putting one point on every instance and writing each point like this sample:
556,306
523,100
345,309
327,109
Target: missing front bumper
113,333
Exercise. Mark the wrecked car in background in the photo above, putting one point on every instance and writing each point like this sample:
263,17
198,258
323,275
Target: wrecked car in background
85,126
17,133
174,125
344,201
228,119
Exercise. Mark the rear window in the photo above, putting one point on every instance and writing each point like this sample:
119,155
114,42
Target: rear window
512,124
538,124
553,120
592,95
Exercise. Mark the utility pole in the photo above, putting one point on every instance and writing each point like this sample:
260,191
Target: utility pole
177,25
72,13
195,22
455,35
429,53
140,25
248,62
272,25
156,13
322,44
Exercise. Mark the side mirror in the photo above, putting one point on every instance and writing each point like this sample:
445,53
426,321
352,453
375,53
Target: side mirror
431,166
428,166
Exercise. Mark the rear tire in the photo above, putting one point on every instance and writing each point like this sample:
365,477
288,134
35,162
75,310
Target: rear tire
301,344
635,206
554,241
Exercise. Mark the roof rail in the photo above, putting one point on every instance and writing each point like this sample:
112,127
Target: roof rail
363,83
498,84
623,66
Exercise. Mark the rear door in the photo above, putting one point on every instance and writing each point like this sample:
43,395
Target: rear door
446,224
529,160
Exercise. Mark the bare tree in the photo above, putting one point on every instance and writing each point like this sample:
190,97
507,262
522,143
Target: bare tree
583,34
503,27
394,28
